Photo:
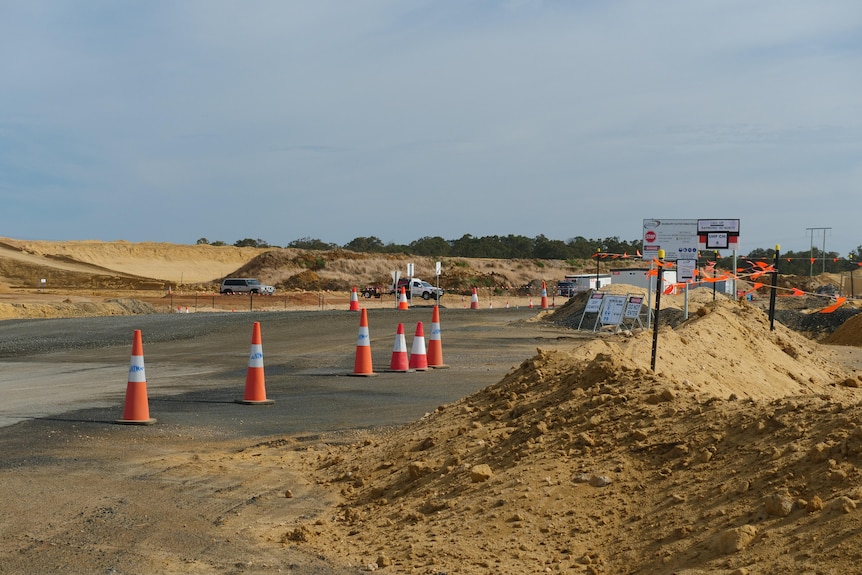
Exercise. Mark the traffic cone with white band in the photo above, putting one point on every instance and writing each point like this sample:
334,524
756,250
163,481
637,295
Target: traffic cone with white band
418,357
255,383
435,343
354,300
136,410
399,361
362,364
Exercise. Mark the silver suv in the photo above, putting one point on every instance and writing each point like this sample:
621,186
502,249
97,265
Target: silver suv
245,285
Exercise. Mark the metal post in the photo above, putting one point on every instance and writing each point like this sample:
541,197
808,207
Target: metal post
657,308
598,251
774,288
715,255
811,249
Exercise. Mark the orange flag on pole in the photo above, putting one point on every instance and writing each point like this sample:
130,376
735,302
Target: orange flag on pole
838,303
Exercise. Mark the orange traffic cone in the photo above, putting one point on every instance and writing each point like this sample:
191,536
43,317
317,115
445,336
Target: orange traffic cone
137,410
402,301
255,385
435,343
474,300
362,364
354,300
544,304
399,352
418,358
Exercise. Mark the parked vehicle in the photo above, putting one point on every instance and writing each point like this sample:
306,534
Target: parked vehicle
373,291
417,287
245,285
566,288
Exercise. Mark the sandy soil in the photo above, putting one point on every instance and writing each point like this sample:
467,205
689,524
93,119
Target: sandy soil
740,454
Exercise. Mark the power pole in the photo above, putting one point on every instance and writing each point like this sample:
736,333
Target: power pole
811,249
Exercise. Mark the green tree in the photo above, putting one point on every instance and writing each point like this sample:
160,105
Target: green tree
430,246
250,243
370,244
311,244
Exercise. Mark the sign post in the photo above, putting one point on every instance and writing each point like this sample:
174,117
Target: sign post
661,255
437,269
719,235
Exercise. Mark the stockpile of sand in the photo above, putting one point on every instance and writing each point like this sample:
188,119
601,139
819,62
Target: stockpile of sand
742,454
174,263
71,308
848,333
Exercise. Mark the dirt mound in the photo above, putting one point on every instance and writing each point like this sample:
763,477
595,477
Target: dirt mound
848,333
174,263
740,453
70,308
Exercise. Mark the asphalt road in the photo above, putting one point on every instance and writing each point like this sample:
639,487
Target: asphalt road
76,370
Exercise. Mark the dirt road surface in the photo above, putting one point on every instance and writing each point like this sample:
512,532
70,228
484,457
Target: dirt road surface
85,495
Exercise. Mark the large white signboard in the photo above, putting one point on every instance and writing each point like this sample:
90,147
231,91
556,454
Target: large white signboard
718,234
678,239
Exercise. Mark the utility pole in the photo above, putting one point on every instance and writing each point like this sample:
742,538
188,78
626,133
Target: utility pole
811,249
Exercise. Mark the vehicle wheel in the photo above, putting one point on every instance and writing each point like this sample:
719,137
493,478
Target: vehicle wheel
227,292
254,292
426,296
367,294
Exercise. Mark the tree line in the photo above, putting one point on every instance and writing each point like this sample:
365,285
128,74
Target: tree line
576,249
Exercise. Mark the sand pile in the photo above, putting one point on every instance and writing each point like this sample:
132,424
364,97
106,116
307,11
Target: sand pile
742,454
848,333
71,308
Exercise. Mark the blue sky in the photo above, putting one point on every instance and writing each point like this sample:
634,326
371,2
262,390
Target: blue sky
172,120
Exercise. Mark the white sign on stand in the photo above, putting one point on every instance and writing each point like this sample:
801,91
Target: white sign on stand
678,239
594,304
612,310
685,269
633,310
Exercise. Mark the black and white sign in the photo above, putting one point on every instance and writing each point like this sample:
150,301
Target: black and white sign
612,311
594,304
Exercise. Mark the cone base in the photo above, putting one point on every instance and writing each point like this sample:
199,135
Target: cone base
390,370
372,374
149,421
441,366
254,401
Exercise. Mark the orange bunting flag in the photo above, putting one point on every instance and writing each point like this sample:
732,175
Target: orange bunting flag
754,288
668,290
813,260
652,273
796,292
838,303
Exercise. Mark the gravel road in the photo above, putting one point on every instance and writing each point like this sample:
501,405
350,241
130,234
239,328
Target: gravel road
78,367
88,496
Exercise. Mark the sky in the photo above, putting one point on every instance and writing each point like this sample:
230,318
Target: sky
176,120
